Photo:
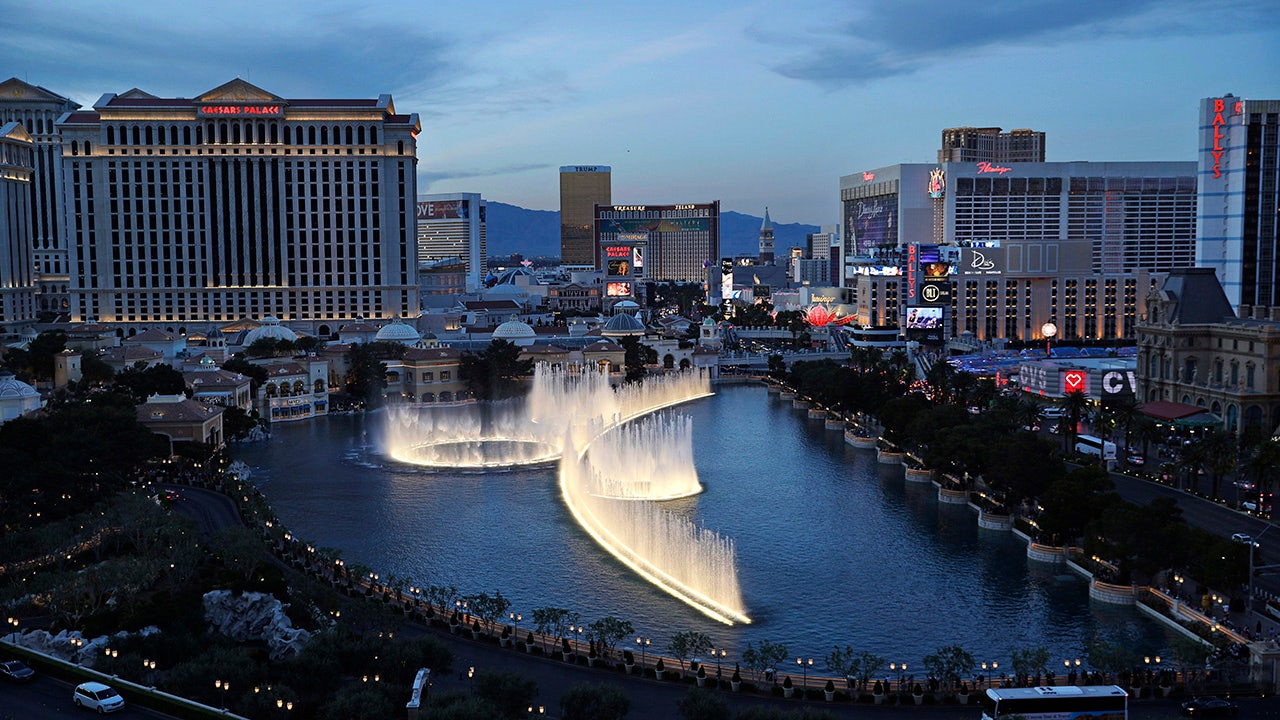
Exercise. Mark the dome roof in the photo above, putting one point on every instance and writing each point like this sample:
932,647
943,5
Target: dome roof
397,331
270,328
11,388
623,324
626,305
514,329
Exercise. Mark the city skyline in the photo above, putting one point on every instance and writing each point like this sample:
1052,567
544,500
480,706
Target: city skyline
755,104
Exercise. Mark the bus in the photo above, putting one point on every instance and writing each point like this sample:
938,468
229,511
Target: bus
1093,702
1095,446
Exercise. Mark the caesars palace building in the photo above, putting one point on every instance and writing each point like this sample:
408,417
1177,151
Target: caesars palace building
239,203
1004,247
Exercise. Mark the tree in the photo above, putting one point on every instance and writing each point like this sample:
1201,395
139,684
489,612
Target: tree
366,376
688,644
141,382
488,607
493,373
509,693
608,631
1218,448
764,656
1074,407
949,664
702,705
635,357
553,622
257,374
594,702
860,665
1032,661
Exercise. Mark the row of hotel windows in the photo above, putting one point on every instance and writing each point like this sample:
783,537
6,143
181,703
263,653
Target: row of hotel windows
246,132
287,389
1160,366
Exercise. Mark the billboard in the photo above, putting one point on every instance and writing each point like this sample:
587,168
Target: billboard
981,261
444,210
637,257
726,278
924,318
618,267
617,289
923,323
872,222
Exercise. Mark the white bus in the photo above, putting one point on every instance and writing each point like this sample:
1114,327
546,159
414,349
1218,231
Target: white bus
1093,702
1095,446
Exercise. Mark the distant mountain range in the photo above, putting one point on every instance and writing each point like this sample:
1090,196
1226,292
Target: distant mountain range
513,229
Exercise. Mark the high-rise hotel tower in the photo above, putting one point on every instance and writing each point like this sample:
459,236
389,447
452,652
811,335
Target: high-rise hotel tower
582,188
240,203
37,110
1238,213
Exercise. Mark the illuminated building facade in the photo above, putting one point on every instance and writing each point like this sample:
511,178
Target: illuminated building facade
681,239
452,225
582,188
17,278
37,110
239,203
1016,245
1239,224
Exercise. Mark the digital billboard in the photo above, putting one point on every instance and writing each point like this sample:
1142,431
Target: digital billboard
617,289
872,222
935,290
924,318
444,210
637,257
618,268
726,278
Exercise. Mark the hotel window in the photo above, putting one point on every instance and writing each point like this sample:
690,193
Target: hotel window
428,377
445,376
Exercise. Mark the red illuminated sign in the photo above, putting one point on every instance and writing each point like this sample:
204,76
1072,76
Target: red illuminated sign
986,167
1075,381
241,110
618,251
868,177
913,256
1219,107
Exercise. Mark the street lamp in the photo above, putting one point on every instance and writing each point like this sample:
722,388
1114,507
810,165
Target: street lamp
900,667
13,638
516,618
718,655
224,686
644,644
805,665
1048,330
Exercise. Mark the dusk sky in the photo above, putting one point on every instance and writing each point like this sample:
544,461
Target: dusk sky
752,103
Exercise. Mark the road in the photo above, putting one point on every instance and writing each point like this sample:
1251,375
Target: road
212,510
47,697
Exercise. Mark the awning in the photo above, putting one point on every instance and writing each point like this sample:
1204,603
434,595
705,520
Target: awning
1180,414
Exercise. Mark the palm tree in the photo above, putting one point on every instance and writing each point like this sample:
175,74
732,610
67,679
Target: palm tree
1220,456
1264,465
1029,414
1125,411
1074,409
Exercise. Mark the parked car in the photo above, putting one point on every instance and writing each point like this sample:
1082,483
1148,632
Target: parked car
1136,459
16,670
1242,538
96,696
1210,706
1245,485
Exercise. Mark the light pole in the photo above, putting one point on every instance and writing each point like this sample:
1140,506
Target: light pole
1049,330
13,637
643,643
718,655
516,618
224,686
284,706
804,667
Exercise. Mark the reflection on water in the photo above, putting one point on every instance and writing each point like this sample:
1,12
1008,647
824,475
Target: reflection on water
832,547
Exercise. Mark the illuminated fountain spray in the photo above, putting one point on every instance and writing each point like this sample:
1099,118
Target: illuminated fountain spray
649,459
689,562
610,491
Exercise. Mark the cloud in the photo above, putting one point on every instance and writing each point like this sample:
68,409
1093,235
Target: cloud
895,38
425,179
181,50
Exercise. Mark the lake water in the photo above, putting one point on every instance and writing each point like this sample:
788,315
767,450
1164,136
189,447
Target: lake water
833,547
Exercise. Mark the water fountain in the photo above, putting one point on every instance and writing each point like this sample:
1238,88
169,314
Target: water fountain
612,471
